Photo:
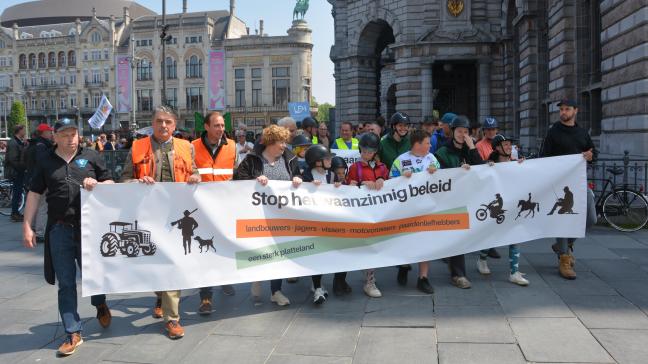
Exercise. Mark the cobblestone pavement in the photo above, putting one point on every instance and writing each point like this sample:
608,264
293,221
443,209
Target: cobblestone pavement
601,317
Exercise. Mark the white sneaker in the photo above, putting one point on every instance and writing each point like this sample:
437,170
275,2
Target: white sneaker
482,266
312,289
371,290
518,279
255,289
319,297
279,299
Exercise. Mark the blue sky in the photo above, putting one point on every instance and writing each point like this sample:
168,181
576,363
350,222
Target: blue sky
277,16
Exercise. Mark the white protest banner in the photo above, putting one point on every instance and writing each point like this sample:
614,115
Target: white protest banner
349,155
139,238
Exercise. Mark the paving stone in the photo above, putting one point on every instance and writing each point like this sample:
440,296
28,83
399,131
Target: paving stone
481,294
532,302
616,269
393,345
317,334
265,322
586,284
618,241
607,312
400,311
451,353
557,340
19,340
89,352
633,291
231,349
474,324
638,256
625,346
307,359
20,284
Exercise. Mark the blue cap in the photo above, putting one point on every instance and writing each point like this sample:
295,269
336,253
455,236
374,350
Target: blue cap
489,123
448,117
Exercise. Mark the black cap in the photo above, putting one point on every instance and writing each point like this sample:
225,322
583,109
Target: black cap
567,102
64,124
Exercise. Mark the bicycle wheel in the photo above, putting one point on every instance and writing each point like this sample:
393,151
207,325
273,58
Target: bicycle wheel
625,210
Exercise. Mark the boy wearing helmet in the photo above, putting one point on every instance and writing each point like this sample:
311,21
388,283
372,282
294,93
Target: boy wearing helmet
460,151
502,148
418,159
395,143
371,173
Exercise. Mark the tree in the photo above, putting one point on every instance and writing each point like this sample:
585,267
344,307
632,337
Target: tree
17,115
323,112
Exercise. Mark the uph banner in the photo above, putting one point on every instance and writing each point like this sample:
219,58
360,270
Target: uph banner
299,110
139,238
98,119
124,98
217,96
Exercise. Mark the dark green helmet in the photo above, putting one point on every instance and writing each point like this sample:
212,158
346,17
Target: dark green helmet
460,121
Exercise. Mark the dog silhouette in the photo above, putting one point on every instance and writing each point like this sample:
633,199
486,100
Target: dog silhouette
205,243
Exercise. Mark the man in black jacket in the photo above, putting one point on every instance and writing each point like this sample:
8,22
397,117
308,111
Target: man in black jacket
564,138
37,150
15,170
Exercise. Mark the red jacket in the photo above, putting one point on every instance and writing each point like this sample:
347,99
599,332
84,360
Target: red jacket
360,171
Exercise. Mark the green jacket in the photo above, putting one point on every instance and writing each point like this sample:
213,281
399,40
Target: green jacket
451,157
390,149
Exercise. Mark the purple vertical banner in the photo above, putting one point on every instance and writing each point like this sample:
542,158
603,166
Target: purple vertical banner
216,80
124,98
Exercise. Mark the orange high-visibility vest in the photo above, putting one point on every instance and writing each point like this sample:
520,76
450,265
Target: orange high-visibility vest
220,168
144,160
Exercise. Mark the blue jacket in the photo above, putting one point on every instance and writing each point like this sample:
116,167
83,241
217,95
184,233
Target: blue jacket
437,140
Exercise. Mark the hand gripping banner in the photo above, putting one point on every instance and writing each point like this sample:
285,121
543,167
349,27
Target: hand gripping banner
138,238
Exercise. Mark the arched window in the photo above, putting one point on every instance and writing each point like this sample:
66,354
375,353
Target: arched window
95,37
144,70
171,68
22,61
71,58
61,59
194,67
2,43
51,60
32,61
41,60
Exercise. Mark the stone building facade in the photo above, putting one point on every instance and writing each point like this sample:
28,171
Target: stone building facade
62,69
511,59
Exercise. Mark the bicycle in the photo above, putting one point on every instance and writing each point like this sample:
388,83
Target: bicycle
6,193
624,208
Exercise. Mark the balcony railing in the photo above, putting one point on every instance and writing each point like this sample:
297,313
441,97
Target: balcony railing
45,86
96,84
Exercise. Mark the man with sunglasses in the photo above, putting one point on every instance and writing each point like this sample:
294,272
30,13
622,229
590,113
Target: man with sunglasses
62,173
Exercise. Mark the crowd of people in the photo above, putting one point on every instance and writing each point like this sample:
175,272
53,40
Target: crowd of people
299,152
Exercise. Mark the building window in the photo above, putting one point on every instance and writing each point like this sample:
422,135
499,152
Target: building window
86,100
239,88
193,39
144,43
106,74
95,37
145,100
62,102
23,81
144,70
2,44
171,68
256,92
194,67
106,53
32,61
71,58
51,60
96,77
72,78
41,60
62,78
280,86
61,59
172,40
194,98
96,99
72,101
96,54
172,97
85,55
22,61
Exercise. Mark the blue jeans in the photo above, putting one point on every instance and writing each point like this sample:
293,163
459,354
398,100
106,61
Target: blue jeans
17,192
66,254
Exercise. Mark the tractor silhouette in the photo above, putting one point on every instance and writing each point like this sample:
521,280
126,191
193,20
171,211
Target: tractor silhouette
127,239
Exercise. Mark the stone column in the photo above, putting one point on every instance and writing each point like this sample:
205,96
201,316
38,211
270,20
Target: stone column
426,90
484,90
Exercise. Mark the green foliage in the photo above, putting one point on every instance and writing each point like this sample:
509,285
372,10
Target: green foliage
323,112
17,115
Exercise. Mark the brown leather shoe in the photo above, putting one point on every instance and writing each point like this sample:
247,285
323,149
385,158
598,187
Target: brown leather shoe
565,268
103,315
205,307
174,330
157,310
71,343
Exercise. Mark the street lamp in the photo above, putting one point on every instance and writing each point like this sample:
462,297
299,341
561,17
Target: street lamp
164,38
79,121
